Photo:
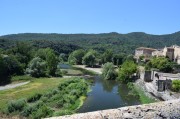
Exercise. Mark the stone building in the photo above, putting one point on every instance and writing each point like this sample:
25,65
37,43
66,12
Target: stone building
169,52
160,81
143,51
176,53
158,53
173,53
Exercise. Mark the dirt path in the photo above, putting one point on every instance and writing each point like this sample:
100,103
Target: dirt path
97,70
10,86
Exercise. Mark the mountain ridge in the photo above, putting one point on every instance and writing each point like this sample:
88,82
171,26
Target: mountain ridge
119,43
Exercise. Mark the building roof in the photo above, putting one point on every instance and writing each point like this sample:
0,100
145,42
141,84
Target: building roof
145,48
170,48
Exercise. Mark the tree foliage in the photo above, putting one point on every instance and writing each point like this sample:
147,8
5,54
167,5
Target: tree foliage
119,43
89,58
161,63
76,57
52,61
37,67
22,51
107,56
176,85
118,59
9,65
127,69
49,56
108,71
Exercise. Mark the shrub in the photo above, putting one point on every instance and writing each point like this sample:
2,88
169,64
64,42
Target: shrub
58,73
42,112
17,105
128,68
34,98
27,111
108,71
176,85
44,99
63,112
132,91
37,67
60,103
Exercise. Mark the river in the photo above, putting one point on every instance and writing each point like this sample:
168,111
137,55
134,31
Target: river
106,94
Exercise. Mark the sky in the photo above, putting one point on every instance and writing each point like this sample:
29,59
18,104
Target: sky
89,16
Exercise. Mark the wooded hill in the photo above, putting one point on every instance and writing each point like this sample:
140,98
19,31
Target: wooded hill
119,43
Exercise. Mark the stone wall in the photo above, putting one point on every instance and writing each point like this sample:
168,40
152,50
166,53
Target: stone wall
160,110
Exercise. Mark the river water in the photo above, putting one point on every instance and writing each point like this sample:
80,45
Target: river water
106,94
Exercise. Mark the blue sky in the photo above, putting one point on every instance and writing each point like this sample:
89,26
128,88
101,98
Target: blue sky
89,16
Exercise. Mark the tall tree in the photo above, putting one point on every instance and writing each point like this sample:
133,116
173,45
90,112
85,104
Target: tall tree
107,56
37,67
89,58
23,51
52,61
108,71
127,69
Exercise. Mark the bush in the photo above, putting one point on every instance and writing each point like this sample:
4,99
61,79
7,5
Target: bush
161,63
37,67
65,97
60,103
108,71
34,98
128,68
176,85
17,105
132,91
58,73
27,111
63,112
42,112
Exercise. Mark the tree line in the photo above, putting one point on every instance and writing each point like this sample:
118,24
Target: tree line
124,43
23,58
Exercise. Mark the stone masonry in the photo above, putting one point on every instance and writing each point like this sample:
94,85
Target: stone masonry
160,110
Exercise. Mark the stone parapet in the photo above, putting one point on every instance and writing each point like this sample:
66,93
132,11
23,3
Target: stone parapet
160,110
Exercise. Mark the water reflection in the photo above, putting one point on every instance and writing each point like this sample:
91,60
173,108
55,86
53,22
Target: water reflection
107,95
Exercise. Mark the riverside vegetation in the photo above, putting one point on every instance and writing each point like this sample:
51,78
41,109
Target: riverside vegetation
66,98
49,94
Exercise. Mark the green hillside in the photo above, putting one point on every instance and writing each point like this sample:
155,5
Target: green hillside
124,43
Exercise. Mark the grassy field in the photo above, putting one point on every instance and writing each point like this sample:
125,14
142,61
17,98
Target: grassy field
39,85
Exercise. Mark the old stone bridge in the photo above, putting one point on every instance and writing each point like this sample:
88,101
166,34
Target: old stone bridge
159,110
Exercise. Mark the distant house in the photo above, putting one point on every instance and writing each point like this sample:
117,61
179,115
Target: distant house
173,53
176,53
169,52
143,51
158,53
